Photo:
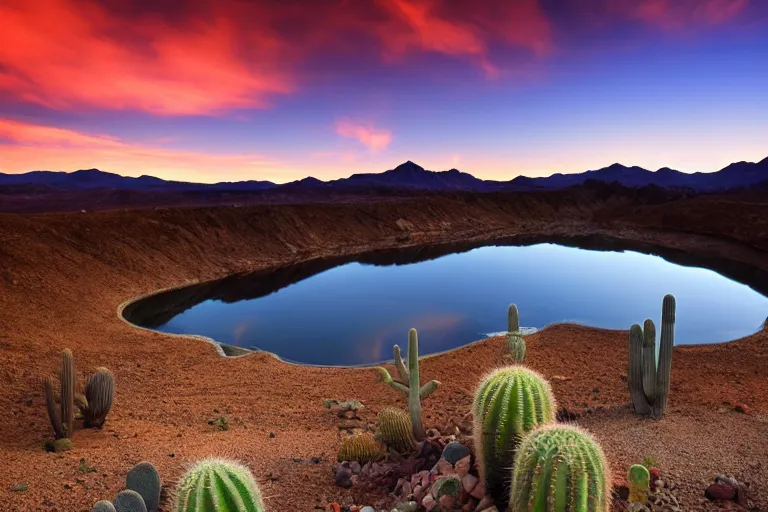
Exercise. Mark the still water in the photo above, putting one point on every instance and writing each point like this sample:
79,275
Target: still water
353,313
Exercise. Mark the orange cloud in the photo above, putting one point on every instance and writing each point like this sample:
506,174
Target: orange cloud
64,54
43,147
368,136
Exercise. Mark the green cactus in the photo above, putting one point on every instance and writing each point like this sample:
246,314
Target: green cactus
649,382
515,341
639,479
129,501
103,506
145,480
98,394
395,429
408,381
447,485
220,485
509,402
560,468
361,448
513,319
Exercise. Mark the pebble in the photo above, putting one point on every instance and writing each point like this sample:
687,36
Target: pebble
454,452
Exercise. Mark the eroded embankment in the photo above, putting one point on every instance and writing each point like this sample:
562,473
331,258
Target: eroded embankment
64,275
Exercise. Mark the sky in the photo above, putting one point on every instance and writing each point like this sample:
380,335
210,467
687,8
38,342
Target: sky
229,90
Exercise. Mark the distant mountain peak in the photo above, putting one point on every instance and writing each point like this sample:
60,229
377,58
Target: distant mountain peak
408,166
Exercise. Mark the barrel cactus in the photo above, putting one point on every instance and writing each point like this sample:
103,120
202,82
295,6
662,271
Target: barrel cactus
98,394
508,403
649,382
220,485
361,448
409,382
560,468
639,479
145,480
129,501
395,429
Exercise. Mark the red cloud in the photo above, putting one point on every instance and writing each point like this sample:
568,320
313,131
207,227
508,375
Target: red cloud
368,136
673,14
35,146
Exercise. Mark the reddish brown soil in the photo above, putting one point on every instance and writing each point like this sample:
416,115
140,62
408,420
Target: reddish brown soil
62,277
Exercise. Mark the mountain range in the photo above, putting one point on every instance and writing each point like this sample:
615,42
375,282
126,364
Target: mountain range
408,176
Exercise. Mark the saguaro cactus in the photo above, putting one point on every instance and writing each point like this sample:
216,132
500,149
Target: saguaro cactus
220,485
515,341
63,418
408,381
560,468
649,382
508,403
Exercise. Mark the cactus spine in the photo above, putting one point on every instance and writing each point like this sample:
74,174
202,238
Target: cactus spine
361,448
68,392
515,341
649,382
395,429
639,480
560,468
220,485
99,393
508,403
413,388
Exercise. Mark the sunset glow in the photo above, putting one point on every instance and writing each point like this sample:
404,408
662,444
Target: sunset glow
279,90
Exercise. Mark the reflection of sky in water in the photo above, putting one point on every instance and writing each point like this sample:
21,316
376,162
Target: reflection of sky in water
354,313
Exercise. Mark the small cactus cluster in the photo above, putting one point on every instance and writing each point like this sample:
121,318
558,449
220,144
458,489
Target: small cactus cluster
361,448
639,479
560,468
395,429
94,405
218,485
515,341
408,381
649,382
141,494
509,403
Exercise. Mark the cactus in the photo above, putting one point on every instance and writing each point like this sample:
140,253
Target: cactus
129,501
361,448
50,404
447,486
103,506
560,468
67,392
395,429
639,479
220,485
649,382
98,393
145,480
408,381
515,341
508,403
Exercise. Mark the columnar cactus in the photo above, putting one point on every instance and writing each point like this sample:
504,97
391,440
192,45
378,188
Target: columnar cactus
63,418
68,392
220,485
639,479
395,429
515,341
361,448
649,382
560,468
508,403
98,393
408,381
145,480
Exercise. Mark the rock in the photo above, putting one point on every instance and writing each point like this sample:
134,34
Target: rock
447,501
428,502
443,467
479,491
486,504
742,408
129,501
469,482
354,466
367,509
344,477
722,479
418,493
454,452
406,506
720,492
145,480
462,467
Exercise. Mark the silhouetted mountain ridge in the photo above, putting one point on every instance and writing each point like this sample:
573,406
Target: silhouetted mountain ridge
411,176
